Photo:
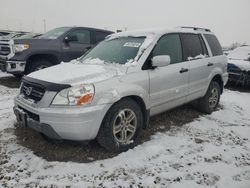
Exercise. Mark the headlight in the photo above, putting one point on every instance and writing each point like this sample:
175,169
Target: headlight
75,96
20,47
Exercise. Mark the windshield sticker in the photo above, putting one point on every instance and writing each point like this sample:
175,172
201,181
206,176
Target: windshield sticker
132,44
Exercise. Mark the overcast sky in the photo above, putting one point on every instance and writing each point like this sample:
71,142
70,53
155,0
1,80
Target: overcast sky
229,19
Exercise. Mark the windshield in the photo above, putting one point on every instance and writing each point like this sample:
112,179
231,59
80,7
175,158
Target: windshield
55,33
118,50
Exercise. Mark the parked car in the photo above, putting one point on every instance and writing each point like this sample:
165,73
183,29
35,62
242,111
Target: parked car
109,93
4,32
23,56
239,65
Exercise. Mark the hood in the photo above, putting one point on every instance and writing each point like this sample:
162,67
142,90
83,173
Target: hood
240,53
34,41
242,64
77,73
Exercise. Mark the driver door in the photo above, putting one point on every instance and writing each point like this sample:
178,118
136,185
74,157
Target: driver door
79,42
169,84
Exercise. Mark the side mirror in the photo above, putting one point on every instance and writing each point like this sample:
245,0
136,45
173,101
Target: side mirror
161,61
70,38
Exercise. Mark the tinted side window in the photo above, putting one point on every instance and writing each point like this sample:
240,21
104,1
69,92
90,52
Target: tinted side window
82,35
214,44
169,45
191,46
100,36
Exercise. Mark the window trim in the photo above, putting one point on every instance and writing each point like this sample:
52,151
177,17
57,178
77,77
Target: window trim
203,46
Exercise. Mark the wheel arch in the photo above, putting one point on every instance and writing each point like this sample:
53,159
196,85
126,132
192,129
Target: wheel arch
142,105
217,78
52,58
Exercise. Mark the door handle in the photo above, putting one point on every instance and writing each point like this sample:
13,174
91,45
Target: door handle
210,64
183,70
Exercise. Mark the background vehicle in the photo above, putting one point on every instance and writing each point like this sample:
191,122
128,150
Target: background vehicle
23,56
239,65
111,92
4,32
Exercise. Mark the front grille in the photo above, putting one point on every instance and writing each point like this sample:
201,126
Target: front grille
4,49
32,91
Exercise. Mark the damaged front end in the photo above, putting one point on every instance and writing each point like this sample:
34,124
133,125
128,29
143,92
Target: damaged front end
237,75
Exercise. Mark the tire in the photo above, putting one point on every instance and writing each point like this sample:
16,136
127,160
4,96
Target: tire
210,101
38,65
115,130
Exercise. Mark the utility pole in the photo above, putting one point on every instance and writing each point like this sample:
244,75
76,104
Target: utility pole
44,25
20,26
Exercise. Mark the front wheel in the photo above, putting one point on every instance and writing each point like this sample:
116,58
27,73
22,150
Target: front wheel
38,65
121,126
210,101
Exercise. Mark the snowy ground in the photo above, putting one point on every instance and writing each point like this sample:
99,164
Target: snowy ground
211,151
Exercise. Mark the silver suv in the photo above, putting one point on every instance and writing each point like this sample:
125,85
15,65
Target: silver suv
109,93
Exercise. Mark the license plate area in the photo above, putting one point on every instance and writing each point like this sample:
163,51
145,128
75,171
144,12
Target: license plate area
2,66
21,117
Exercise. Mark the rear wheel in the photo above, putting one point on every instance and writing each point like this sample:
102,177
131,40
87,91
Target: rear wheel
38,65
210,101
121,126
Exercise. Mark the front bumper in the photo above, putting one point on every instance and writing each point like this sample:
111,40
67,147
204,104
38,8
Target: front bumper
69,123
14,67
26,121
240,77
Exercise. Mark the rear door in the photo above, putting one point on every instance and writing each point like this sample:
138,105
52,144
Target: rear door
196,53
74,49
100,36
169,84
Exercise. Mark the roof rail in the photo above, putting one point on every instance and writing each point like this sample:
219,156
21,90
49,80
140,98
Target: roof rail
196,28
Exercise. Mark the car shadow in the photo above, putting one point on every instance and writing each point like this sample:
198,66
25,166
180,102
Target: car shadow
10,81
238,87
92,151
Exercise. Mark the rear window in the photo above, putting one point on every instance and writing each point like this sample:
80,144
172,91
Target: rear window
100,36
214,45
192,46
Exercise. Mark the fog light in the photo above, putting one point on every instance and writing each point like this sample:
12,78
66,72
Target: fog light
13,66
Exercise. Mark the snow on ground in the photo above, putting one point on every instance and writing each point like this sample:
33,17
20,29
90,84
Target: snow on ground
212,151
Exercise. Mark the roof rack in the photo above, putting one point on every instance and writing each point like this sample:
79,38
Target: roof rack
196,28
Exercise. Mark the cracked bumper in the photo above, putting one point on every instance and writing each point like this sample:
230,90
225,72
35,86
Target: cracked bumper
77,124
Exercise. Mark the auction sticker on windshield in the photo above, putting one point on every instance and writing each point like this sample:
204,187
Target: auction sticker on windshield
132,44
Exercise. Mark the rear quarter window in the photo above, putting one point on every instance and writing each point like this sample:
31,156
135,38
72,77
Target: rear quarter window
100,36
214,44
